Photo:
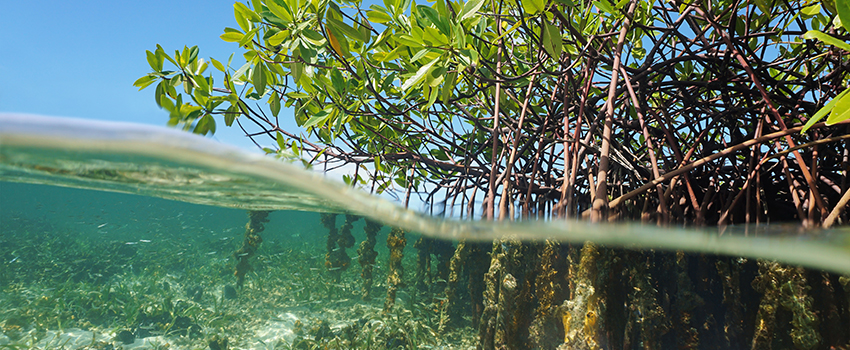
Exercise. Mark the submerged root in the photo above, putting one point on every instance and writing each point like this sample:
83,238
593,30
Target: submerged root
250,244
396,243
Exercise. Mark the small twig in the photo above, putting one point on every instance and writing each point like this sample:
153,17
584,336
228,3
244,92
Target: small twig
839,207
806,145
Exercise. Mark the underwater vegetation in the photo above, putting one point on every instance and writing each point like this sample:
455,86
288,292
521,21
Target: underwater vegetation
249,244
181,292
548,295
366,257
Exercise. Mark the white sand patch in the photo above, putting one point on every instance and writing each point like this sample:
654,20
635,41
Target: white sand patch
75,338
276,331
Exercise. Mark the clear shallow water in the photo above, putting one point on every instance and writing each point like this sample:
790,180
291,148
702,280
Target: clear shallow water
165,163
78,264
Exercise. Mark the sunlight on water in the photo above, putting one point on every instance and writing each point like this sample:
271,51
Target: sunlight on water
166,163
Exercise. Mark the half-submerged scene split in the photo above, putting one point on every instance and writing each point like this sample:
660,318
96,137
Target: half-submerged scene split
451,175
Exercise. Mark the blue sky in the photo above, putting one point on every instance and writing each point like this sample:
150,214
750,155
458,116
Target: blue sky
80,58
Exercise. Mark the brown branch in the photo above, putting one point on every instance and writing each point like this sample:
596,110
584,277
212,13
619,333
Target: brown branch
839,207
600,203
728,151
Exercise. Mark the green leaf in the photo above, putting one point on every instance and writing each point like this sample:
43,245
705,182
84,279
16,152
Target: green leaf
389,56
365,31
160,93
843,8
313,37
281,142
824,111
166,104
764,6
274,104
217,64
435,18
409,40
552,40
144,81
508,31
248,37
448,87
296,94
439,154
241,19
829,5
201,83
420,74
841,112
828,39
248,13
604,6
418,55
468,57
205,125
231,114
154,61
346,29
238,74
160,53
436,76
278,38
432,93
200,66
296,150
638,52
201,98
434,37
378,16
316,119
811,10
258,77
378,166
337,81
210,123
469,9
280,11
191,53
232,37
534,6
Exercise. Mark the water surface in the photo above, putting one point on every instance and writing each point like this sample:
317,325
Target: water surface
166,163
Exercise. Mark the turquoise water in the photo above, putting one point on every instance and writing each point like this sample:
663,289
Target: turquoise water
111,227
76,262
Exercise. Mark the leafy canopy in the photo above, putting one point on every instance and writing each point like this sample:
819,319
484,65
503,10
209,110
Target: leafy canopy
518,94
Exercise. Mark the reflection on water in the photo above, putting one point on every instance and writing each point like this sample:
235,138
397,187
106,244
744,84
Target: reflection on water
82,266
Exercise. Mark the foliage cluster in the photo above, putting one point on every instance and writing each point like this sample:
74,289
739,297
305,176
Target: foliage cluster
626,108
